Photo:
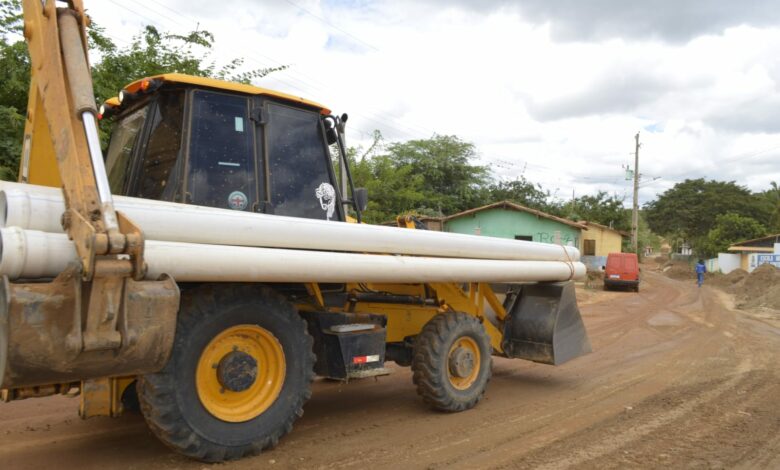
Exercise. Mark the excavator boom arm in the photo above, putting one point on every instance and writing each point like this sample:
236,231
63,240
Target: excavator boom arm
98,317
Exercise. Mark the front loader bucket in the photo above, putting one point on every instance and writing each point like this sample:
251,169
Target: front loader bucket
544,324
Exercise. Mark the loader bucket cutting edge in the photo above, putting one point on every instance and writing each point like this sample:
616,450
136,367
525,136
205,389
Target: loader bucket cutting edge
544,325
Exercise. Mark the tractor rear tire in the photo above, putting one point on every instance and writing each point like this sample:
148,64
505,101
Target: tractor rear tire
452,362
238,376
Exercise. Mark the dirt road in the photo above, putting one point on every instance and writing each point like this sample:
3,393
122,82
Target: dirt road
676,380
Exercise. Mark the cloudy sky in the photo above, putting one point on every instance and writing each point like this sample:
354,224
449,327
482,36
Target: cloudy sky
552,90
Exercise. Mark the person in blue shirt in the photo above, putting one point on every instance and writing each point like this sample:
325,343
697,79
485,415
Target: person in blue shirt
700,270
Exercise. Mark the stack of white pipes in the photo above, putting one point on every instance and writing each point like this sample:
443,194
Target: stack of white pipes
202,244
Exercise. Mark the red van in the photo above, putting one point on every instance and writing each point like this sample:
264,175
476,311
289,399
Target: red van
622,270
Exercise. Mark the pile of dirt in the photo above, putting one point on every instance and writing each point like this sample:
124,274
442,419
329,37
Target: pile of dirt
729,282
759,289
661,259
595,280
679,271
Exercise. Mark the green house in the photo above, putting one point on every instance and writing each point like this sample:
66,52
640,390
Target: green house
506,219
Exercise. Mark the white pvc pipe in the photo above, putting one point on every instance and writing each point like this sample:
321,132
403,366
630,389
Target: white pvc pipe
30,254
40,208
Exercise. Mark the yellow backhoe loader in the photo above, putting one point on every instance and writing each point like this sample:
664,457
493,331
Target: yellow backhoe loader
222,369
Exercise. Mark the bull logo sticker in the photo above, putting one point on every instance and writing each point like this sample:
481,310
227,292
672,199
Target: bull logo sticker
237,201
327,196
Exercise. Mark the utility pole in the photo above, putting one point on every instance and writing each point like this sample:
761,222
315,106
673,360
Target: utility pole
635,214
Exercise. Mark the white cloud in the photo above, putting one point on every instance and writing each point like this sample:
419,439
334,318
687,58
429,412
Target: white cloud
540,90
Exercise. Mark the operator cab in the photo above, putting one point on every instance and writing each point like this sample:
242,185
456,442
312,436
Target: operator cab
218,144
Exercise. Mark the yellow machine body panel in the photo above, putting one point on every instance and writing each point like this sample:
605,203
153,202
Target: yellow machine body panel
43,168
205,82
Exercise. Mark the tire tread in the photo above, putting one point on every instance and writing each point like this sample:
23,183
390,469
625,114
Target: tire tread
430,360
163,415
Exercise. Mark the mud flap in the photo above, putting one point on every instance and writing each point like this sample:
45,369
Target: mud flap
41,331
544,324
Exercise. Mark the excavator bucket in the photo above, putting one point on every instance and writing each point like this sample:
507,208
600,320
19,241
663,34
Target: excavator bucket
544,324
44,330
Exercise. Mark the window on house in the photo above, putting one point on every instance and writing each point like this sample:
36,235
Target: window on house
527,238
589,248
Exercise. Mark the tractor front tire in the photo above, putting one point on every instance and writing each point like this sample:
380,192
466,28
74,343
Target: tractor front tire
452,362
238,376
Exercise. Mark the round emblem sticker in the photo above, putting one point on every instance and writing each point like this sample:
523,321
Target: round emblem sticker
237,200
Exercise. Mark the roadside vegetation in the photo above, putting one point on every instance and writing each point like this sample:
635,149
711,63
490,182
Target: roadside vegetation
711,215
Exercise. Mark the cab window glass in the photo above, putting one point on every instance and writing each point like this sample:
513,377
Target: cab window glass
120,149
298,165
221,167
160,163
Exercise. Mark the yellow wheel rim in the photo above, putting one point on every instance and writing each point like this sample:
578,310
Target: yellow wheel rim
463,363
240,373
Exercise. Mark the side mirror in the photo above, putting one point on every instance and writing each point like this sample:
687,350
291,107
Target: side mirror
360,196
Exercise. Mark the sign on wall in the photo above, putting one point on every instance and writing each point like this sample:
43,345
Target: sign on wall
757,259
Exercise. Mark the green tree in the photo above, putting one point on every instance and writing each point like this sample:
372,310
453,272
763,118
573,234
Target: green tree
392,189
603,209
10,17
15,64
690,208
728,229
151,52
451,183
520,191
772,198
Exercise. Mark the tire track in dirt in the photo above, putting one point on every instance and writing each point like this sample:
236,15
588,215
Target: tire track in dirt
667,385
493,425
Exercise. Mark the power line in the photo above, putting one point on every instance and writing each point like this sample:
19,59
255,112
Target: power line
332,25
157,12
293,78
404,127
748,156
136,13
177,12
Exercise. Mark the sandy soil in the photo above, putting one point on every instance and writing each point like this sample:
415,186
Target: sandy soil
678,379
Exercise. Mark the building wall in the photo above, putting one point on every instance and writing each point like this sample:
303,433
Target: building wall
728,262
507,223
712,265
757,259
747,261
607,241
744,261
433,224
594,263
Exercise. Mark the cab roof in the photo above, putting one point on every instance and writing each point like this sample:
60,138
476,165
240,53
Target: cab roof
226,86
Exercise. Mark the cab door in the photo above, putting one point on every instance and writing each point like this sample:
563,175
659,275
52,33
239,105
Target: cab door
298,171
221,170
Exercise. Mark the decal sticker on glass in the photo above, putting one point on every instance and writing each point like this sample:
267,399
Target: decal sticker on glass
237,201
327,196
